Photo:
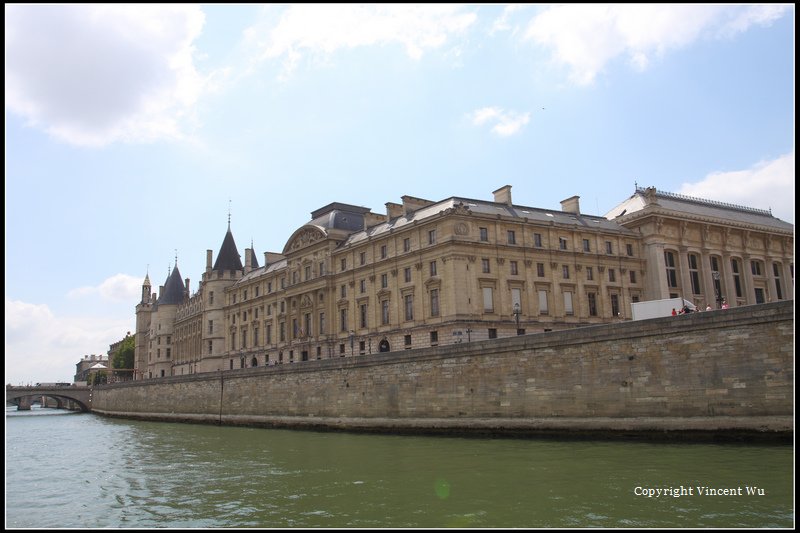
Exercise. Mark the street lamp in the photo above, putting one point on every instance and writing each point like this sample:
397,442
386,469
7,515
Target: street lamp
715,275
516,316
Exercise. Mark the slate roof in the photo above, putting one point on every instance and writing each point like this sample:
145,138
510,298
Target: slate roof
174,289
228,257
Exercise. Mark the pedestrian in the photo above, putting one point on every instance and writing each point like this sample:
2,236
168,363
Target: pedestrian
674,312
708,307
724,304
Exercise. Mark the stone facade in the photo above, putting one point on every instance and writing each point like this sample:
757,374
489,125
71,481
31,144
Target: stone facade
425,274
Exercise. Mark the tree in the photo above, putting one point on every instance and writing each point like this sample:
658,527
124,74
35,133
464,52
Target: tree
97,378
123,358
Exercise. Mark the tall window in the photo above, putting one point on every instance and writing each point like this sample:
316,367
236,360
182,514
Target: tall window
540,269
516,298
407,274
615,305
307,273
543,310
210,326
672,275
612,275
282,331
776,270
308,330
589,273
255,336
363,286
755,268
362,257
568,303
384,281
384,252
342,319
514,268
406,245
269,334
609,249
592,298
322,323
432,236
586,247
384,312
632,275
485,266
433,268
737,278
484,234
629,249
565,271
409,305
512,237
488,300
562,243
343,291
363,310
537,240
694,274
211,298
344,263
434,302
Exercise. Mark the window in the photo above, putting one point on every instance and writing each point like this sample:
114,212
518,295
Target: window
384,312
514,268
362,257
406,245
433,268
737,281
512,238
384,252
609,250
344,263
485,265
484,234
672,275
492,333
211,298
256,289
321,271
612,275
755,268
568,303
434,302
592,298
255,336
384,281
283,306
562,243
488,300
210,347
629,249
409,305
256,312
307,329
543,310
362,348
322,323
516,298
614,305
210,326
586,247
363,310
234,297
589,273
343,291
632,274
540,269
295,329
434,338
233,340
169,351
776,270
432,236
282,331
537,240
407,341
565,271
268,339
363,286
694,274
269,287
407,274
342,319
245,295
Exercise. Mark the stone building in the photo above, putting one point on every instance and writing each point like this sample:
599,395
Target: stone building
352,282
89,365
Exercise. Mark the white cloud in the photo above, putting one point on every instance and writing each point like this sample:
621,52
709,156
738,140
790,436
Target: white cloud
322,29
43,347
505,123
766,185
117,288
94,74
586,37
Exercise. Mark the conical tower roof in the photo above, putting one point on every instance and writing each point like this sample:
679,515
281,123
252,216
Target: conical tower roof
228,257
173,289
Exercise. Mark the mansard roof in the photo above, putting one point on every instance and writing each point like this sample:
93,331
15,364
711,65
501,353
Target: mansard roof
228,257
173,292
665,203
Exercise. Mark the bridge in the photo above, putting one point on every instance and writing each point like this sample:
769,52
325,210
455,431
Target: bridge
66,396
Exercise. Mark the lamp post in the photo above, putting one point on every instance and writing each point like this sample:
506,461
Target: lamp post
715,275
516,316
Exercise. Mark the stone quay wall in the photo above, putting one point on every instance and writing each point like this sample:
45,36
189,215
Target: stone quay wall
719,371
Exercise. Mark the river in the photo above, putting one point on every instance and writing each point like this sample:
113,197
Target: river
78,470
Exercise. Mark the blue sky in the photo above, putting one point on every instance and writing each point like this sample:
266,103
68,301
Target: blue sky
133,131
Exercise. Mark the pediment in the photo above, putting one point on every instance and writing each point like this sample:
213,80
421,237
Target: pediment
303,237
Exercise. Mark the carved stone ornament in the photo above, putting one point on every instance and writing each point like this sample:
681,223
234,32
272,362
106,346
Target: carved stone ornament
304,238
461,229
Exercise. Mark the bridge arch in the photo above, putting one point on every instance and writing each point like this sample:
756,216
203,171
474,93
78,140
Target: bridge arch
82,396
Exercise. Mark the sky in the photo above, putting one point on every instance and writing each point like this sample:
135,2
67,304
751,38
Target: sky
133,133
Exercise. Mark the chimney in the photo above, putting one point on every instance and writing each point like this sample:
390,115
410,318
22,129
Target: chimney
373,219
503,195
411,204
571,205
209,255
393,210
248,260
188,291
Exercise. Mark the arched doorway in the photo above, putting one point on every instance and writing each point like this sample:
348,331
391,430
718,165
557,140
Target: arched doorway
383,346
